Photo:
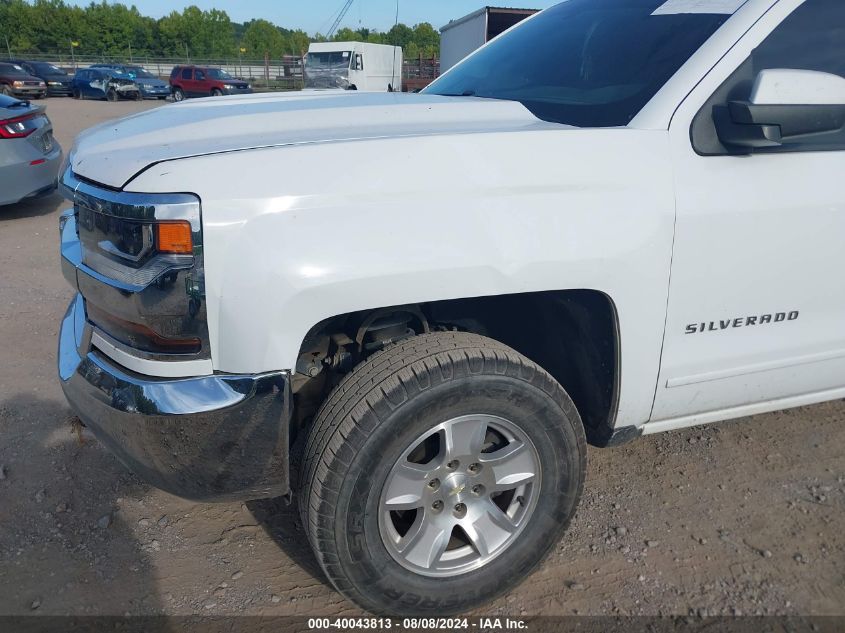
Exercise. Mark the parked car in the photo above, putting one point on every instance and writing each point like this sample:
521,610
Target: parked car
151,86
56,79
203,81
104,83
440,349
29,154
15,81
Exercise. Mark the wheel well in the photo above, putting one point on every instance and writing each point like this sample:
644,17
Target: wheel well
572,334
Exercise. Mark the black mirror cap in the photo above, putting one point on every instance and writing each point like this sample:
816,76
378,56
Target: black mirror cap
742,124
743,136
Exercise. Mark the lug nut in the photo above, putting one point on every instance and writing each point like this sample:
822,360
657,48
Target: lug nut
434,484
437,506
460,510
453,464
474,468
478,490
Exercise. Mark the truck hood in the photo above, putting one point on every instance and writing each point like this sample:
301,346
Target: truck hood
115,152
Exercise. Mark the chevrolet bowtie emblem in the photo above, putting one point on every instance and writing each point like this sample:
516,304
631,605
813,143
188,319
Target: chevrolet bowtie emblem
457,490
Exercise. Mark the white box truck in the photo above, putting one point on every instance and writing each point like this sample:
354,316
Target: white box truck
354,66
462,36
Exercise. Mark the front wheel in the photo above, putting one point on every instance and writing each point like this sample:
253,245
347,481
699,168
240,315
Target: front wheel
6,90
216,92
112,95
439,473
178,94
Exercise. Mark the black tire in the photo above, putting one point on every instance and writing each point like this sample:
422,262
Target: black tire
178,94
6,90
370,418
112,95
139,96
76,94
216,92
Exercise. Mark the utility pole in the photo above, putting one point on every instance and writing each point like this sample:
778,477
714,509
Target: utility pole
73,45
130,52
187,58
8,48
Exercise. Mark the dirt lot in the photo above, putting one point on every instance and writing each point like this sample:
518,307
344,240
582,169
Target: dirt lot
744,517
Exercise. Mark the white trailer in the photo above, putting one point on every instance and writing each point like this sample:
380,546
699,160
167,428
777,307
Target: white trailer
354,66
462,36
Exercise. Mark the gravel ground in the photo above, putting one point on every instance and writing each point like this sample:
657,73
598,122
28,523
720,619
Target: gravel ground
743,517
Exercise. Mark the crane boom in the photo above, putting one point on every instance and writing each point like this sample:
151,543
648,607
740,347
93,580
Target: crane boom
340,17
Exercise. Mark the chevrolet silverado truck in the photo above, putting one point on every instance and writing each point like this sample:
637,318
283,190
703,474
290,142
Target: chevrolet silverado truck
411,312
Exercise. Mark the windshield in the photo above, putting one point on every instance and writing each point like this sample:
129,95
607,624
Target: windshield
114,74
48,69
589,63
137,71
216,73
329,61
12,69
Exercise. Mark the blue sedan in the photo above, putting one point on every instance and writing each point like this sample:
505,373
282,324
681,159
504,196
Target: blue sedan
151,86
104,83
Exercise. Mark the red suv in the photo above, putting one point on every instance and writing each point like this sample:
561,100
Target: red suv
202,81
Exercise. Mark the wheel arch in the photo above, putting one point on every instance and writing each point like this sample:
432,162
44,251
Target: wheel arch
573,334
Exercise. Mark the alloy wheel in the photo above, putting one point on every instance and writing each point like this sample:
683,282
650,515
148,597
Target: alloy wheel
459,495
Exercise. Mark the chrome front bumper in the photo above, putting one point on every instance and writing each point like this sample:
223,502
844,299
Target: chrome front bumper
209,438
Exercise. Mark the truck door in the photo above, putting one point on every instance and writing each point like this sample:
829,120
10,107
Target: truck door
187,80
200,86
357,76
96,84
756,312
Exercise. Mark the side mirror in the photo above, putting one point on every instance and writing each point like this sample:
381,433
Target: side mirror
786,106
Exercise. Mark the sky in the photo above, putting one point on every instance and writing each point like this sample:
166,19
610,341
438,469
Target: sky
317,15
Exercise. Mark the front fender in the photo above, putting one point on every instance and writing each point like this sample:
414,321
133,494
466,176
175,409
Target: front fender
296,234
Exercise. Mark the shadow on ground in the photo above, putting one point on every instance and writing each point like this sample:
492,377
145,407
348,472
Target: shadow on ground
280,519
65,545
31,207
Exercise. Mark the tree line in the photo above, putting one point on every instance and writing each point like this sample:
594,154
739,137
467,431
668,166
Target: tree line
118,31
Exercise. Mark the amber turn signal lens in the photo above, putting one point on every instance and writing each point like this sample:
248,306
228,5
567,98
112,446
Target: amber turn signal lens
174,237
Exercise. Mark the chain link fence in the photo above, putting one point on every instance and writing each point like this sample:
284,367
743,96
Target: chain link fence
285,73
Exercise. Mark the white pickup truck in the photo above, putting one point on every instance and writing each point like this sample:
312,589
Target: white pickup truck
412,311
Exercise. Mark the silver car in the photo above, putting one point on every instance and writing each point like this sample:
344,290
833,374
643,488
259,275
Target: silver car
29,155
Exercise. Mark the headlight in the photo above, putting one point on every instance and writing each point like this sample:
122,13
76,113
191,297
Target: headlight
41,84
248,86
17,84
67,163
228,86
55,83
